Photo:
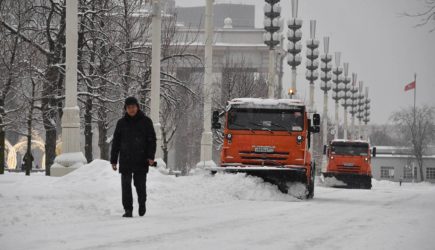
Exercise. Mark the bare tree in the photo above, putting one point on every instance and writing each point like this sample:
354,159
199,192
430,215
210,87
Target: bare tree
427,16
239,79
12,54
46,33
384,135
417,127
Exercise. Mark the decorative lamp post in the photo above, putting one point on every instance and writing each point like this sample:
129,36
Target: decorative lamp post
346,97
273,26
337,88
325,85
294,46
360,108
366,115
312,63
71,157
155,77
354,104
206,159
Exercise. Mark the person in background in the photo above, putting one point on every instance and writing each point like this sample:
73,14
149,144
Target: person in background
134,142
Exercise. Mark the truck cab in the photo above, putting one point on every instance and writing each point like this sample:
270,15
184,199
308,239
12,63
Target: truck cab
349,162
270,139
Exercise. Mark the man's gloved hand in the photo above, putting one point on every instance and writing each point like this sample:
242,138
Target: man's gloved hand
152,163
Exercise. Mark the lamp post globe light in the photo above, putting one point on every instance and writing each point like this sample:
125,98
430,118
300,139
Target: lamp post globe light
354,104
312,62
360,108
272,37
346,95
325,86
294,46
337,88
366,114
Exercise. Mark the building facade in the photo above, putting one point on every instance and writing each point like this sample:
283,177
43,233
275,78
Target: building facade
396,164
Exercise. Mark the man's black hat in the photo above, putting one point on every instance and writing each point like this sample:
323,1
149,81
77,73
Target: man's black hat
131,101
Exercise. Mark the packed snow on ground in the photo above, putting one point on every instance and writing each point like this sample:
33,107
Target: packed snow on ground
83,211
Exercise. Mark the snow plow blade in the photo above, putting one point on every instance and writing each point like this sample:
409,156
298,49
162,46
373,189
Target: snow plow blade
283,177
344,180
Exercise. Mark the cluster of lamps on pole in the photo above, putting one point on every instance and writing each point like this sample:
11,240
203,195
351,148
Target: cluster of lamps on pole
345,92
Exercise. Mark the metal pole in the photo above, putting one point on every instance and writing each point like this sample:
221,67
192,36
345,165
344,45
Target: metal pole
207,136
271,76
155,74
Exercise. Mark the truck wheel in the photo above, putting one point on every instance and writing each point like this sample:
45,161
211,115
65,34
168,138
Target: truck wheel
283,188
213,172
369,183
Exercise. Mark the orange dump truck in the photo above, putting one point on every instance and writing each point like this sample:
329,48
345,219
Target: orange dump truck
349,164
269,138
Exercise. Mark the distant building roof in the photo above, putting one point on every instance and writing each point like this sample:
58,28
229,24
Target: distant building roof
242,15
401,151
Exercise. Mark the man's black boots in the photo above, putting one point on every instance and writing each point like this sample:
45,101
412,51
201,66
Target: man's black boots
128,214
142,210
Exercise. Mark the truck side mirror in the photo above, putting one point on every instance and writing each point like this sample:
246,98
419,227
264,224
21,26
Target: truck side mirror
374,152
324,149
215,124
316,124
316,120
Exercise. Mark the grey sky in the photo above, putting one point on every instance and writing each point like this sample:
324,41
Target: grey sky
382,47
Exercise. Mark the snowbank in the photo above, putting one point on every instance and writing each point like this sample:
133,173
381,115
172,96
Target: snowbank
95,190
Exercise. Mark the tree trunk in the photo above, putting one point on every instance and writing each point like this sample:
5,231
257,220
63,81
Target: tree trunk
2,150
420,166
102,141
88,130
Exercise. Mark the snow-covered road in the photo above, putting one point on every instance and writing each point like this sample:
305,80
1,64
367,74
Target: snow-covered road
82,211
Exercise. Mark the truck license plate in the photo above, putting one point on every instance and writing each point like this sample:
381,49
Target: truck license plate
264,149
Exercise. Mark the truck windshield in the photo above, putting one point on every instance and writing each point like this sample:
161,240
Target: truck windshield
266,119
350,149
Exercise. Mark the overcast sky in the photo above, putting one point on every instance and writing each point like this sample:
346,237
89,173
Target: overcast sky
384,48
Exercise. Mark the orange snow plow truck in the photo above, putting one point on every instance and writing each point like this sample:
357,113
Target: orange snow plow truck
349,164
270,139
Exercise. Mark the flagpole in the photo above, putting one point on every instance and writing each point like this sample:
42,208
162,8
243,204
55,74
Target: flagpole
415,92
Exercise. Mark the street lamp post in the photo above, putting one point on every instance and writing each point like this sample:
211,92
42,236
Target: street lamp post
71,157
366,115
206,159
325,85
337,80
346,97
294,46
312,63
354,104
155,77
360,108
272,25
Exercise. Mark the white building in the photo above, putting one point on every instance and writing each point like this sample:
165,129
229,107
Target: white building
396,163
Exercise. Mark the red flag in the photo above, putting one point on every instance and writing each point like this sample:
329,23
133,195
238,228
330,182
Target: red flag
410,86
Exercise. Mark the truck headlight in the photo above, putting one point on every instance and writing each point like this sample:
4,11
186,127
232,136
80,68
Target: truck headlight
299,139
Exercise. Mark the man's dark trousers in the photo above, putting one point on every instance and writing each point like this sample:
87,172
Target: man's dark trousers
139,180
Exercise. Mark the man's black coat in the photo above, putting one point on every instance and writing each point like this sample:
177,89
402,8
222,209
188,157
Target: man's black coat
134,141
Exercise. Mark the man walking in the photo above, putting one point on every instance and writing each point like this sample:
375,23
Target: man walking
134,141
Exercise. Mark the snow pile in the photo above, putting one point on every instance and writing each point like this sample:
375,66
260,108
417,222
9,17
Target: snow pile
95,190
